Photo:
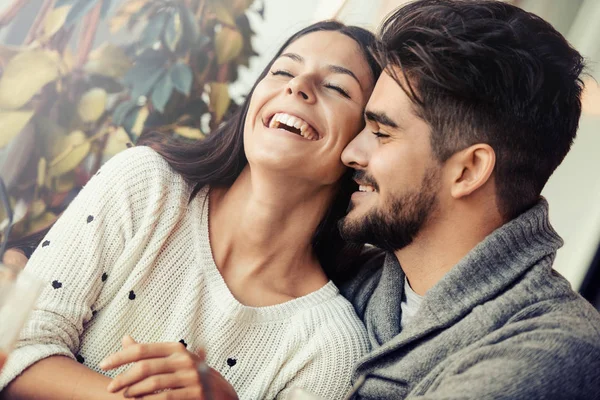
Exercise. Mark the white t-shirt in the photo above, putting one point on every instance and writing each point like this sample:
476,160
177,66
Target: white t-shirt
410,304
131,255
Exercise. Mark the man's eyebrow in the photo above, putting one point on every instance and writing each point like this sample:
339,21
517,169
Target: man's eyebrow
381,118
333,68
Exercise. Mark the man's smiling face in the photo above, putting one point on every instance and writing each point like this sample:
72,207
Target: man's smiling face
398,174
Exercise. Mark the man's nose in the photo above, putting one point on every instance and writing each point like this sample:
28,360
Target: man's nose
357,152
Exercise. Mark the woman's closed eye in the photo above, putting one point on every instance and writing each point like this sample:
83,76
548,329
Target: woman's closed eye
282,72
337,89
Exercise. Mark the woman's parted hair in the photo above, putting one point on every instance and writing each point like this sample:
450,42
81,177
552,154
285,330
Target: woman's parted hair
488,72
219,159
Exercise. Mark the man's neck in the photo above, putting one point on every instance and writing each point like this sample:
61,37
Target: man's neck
442,244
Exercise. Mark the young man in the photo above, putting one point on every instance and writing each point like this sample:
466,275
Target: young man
479,104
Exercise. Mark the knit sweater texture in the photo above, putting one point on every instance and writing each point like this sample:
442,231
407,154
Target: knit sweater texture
131,256
501,324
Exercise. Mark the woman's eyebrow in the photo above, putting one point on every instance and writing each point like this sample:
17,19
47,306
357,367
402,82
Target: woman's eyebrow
337,69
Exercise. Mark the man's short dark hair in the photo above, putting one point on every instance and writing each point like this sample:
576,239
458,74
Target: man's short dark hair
489,72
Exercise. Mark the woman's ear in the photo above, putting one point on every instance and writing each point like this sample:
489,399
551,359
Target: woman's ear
471,169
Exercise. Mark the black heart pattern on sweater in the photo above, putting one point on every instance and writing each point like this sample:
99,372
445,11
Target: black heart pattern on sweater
231,362
131,295
46,243
183,343
104,277
80,359
56,284
90,218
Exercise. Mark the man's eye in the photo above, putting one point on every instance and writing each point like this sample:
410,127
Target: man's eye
380,135
282,72
338,89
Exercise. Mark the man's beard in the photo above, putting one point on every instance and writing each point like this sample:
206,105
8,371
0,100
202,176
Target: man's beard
396,225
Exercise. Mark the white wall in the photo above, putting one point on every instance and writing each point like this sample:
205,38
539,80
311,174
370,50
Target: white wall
574,190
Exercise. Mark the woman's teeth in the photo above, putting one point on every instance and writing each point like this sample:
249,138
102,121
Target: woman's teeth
366,188
299,126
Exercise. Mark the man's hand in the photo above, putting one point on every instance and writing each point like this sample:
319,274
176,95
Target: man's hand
164,371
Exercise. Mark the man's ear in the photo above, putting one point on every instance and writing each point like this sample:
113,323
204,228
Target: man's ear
471,168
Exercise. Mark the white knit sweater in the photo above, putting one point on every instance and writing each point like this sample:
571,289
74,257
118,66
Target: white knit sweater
130,255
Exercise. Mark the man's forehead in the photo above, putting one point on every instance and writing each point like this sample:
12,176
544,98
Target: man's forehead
389,98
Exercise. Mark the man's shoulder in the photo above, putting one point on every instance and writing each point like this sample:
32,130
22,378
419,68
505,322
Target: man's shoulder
566,319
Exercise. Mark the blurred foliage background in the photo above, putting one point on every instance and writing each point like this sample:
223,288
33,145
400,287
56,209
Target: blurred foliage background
66,107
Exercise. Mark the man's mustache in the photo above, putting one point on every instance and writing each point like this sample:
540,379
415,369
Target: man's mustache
362,177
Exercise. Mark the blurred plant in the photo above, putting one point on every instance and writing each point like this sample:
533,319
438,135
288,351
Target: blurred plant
65,107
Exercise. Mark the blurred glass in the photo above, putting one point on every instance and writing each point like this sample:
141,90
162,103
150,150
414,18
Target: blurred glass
18,294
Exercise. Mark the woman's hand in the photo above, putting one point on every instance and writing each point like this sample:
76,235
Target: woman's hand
164,371
15,257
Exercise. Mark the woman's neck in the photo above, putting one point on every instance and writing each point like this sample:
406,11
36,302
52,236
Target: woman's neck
261,231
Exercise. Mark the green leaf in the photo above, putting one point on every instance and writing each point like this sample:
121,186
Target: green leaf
145,73
129,122
60,3
181,75
122,110
173,31
162,92
189,25
153,30
78,10
105,8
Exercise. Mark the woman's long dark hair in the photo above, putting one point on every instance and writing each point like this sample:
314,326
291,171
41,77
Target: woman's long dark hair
219,159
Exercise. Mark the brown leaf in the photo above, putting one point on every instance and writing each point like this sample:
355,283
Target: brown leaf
12,123
228,44
189,132
219,99
25,74
55,20
108,60
76,149
92,105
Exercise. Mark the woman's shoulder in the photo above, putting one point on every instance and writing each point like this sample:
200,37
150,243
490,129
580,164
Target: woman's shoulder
335,321
135,159
139,167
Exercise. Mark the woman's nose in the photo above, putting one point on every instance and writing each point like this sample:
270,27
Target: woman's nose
301,88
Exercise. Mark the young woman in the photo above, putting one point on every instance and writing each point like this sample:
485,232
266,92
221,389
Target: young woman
228,245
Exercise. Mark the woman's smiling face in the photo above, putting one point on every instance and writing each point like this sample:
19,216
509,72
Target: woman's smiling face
308,107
